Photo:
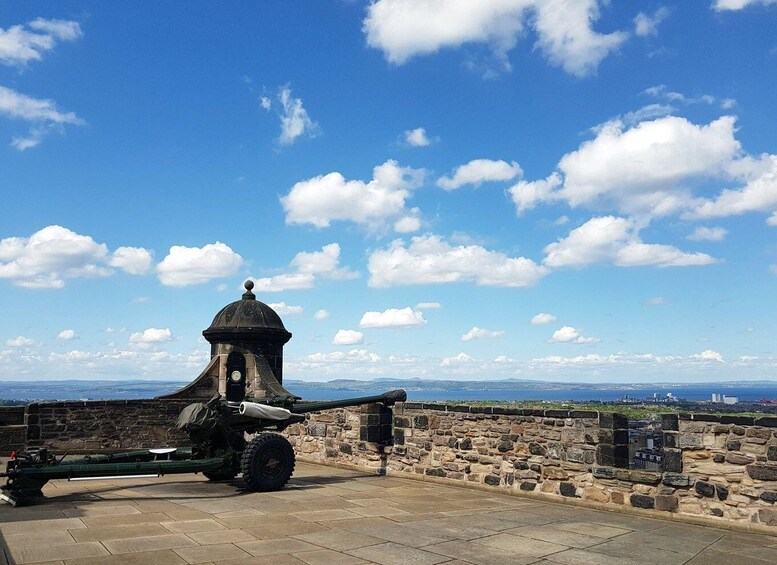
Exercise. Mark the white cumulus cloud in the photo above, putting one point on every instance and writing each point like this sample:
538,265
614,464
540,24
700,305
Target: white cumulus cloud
348,337
43,116
132,260
428,306
53,254
568,334
609,239
461,358
478,171
645,24
403,29
21,341
481,333
543,319
416,137
658,168
708,355
295,120
722,5
329,198
321,315
151,335
284,309
307,267
67,335
708,234
186,266
431,260
393,318
21,44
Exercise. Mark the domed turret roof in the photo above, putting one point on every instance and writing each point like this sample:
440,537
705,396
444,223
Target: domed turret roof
247,318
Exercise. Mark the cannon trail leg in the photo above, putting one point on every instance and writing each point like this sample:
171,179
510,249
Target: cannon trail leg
267,462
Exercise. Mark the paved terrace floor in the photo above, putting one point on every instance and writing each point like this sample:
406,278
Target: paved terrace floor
327,515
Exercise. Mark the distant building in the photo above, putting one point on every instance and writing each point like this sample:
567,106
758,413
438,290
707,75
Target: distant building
717,398
730,399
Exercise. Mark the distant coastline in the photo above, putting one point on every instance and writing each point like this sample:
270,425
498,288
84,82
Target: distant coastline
418,389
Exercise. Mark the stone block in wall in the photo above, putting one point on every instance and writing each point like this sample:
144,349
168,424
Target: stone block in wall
670,423
769,496
666,503
421,422
12,438
771,453
584,414
738,420
672,461
567,489
12,415
613,420
766,421
609,455
642,501
615,437
762,471
704,489
691,441
670,439
738,459
768,517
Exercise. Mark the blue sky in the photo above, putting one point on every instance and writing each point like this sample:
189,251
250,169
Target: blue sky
569,190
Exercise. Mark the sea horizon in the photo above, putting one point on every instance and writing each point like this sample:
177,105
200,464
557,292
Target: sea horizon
417,389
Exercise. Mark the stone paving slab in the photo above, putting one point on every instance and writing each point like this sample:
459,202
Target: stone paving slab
332,516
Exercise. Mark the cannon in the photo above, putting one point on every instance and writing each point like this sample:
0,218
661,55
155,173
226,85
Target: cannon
220,451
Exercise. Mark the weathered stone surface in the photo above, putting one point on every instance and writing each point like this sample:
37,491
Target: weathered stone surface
642,501
739,459
670,439
528,485
690,441
673,460
666,503
766,421
617,497
762,471
739,420
537,449
718,458
771,453
492,480
721,491
613,420
567,489
733,445
670,423
604,472
595,494
769,496
768,517
644,477
704,489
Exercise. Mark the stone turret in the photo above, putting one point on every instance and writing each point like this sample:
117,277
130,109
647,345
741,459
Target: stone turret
246,346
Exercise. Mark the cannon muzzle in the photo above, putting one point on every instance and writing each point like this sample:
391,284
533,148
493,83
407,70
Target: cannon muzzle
387,399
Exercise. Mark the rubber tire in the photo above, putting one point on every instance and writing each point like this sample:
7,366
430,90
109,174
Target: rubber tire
268,462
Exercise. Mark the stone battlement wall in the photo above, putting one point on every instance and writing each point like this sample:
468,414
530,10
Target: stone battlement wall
93,426
719,469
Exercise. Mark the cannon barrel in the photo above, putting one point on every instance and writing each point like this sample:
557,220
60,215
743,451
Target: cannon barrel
387,399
